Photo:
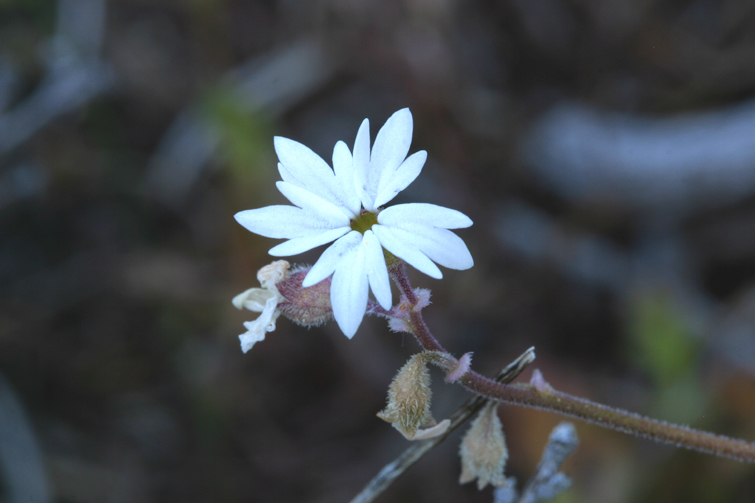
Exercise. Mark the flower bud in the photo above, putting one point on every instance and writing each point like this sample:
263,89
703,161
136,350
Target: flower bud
483,450
409,398
306,306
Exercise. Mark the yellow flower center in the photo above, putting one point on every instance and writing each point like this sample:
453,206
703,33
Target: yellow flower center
364,221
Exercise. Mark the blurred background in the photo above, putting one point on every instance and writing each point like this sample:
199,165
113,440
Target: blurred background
604,149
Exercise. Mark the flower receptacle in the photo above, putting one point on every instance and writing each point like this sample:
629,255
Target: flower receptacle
308,306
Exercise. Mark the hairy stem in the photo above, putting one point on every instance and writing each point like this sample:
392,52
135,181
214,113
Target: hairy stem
418,449
546,398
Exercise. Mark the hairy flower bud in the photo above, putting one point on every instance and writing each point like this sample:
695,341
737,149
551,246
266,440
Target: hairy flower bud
409,399
306,306
483,450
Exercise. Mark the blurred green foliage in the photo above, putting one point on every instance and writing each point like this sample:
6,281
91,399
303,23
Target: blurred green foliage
664,346
661,342
246,136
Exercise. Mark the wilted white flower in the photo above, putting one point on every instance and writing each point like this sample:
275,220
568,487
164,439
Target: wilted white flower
262,300
345,204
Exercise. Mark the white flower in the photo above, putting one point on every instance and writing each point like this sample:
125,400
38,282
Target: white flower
262,300
345,204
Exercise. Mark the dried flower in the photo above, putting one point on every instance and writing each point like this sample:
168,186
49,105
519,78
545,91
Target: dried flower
409,397
483,450
262,300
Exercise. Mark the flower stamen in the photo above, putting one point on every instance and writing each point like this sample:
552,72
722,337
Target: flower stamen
364,221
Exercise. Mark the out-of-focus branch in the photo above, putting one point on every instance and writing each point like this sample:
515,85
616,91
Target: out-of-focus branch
677,164
21,465
75,75
547,482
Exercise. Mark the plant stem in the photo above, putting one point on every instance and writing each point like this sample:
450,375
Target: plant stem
418,449
546,398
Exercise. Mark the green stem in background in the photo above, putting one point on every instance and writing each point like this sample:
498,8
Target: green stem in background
544,397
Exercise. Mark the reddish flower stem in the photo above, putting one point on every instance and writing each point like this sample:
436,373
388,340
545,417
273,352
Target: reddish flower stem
546,398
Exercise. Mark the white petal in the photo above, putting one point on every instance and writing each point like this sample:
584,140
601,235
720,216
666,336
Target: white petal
282,222
301,162
392,142
393,183
300,166
395,241
313,203
343,165
348,291
287,176
440,245
377,272
299,245
331,257
365,181
423,213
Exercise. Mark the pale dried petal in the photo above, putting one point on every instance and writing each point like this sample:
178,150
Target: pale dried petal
253,299
433,431
265,323
273,273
